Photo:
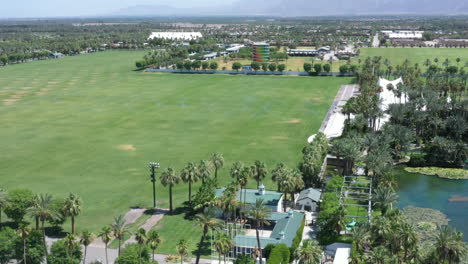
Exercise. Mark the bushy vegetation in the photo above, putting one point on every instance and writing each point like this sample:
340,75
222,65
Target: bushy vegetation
279,255
448,173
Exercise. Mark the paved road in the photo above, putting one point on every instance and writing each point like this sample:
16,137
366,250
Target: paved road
375,41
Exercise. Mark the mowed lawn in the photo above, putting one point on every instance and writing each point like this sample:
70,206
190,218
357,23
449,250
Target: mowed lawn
417,55
90,125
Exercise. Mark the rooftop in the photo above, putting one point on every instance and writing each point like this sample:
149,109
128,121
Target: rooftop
284,231
311,193
270,198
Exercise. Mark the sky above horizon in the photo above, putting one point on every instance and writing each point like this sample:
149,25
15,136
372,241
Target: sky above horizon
67,8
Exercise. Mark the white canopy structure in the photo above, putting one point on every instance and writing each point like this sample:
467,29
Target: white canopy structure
176,35
388,97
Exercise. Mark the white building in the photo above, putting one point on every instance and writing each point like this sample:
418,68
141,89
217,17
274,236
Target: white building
403,34
176,35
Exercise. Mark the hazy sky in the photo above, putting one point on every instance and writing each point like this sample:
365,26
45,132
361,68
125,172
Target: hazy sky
54,8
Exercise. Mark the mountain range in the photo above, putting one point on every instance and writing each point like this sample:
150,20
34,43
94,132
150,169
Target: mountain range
292,8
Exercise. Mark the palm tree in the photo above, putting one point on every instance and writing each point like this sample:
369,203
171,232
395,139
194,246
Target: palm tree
43,210
106,236
153,240
278,174
72,208
3,202
309,253
140,237
170,178
23,232
223,245
384,198
189,174
361,237
182,249
70,243
218,162
204,170
35,203
258,213
208,222
259,172
86,239
449,246
379,255
119,229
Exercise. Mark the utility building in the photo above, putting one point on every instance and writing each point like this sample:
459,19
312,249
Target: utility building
261,52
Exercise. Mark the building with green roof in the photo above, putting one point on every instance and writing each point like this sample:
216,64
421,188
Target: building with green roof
273,200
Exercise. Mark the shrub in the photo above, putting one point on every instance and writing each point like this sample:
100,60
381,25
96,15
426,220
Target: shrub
60,254
297,239
280,254
7,244
267,250
131,255
244,259
19,200
35,248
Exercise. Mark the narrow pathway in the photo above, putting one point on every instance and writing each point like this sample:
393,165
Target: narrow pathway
375,41
150,223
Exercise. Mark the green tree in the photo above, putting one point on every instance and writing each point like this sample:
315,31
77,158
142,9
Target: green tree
72,208
223,245
214,65
189,175
272,67
182,249
19,200
204,170
43,210
23,232
217,160
180,65
255,66
106,237
34,247
307,67
7,244
170,178
449,246
188,65
344,69
65,251
119,229
153,241
207,221
134,254
318,68
384,198
205,65
244,259
309,253
281,67
140,237
259,213
86,239
3,202
327,67
259,171
196,64
236,66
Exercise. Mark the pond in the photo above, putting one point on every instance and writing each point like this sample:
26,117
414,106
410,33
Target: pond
448,196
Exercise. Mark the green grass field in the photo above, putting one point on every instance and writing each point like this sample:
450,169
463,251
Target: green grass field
90,125
417,55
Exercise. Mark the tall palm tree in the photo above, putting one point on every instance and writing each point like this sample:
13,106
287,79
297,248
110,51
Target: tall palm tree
379,255
119,229
35,203
43,210
86,239
361,237
153,241
106,236
236,170
449,246
23,232
259,172
384,198
189,175
182,249
170,178
207,221
259,213
140,237
204,170
217,160
72,208
3,202
278,174
309,253
223,245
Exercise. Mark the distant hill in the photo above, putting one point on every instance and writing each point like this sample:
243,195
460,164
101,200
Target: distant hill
307,8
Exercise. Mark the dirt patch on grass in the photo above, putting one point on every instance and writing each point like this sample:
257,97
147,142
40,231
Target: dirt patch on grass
318,99
128,147
9,101
279,137
458,198
294,121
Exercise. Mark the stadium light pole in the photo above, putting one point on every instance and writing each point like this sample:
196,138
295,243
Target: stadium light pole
154,166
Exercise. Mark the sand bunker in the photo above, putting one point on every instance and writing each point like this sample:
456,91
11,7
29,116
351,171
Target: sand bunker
129,147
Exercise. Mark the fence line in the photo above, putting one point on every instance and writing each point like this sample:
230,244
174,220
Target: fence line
291,73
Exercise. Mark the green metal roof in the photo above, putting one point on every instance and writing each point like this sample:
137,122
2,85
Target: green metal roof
271,198
287,226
